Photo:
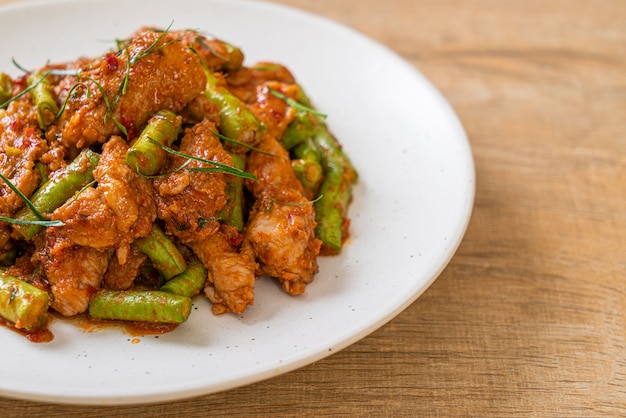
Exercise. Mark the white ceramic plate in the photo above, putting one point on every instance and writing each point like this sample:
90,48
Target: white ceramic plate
409,214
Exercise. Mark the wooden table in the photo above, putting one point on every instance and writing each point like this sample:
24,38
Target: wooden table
529,316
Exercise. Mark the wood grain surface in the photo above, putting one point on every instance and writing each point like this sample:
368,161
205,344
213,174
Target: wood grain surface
528,318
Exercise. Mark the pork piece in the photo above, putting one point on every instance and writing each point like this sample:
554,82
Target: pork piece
198,109
189,202
163,74
127,194
282,221
272,111
87,220
7,249
122,276
265,71
215,54
20,148
244,83
112,215
27,268
74,272
96,223
231,271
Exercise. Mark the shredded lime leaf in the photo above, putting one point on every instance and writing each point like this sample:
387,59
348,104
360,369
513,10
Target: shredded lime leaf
23,197
156,176
217,167
234,141
109,107
308,202
69,97
212,50
297,105
33,222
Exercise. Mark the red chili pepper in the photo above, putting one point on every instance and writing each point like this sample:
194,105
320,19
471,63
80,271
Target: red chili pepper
29,131
129,124
236,240
16,124
29,139
112,62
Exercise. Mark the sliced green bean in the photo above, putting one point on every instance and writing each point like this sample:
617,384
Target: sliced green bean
57,190
43,99
336,188
189,283
6,87
236,120
232,213
303,127
308,167
235,57
229,57
146,157
140,305
22,304
43,172
162,252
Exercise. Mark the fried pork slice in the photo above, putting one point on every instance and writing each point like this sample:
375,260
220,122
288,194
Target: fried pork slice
189,202
126,193
87,221
111,216
20,148
274,111
158,72
74,272
231,271
200,108
282,221
97,223
215,54
122,276
244,82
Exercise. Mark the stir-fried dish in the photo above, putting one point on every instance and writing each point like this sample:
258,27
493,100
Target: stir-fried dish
164,169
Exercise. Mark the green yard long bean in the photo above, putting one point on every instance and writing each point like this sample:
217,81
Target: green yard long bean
22,304
232,213
188,283
146,157
236,120
140,305
339,175
308,167
336,191
235,57
303,127
6,88
162,252
61,186
43,98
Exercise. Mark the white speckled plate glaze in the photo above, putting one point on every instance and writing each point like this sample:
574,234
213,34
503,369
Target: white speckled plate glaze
410,210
